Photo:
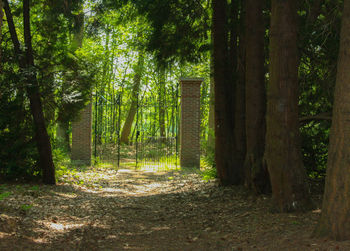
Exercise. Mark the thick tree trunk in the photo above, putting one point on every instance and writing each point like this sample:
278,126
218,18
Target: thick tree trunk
257,177
133,107
27,65
335,218
282,153
238,79
42,137
228,171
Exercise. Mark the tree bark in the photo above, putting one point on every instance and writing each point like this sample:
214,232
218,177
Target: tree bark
321,116
161,111
211,122
282,153
26,62
257,177
228,171
133,107
211,119
314,11
238,79
335,217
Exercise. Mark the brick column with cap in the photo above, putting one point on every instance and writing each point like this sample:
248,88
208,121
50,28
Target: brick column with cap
81,136
190,122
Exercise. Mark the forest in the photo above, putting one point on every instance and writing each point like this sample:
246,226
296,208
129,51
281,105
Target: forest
273,133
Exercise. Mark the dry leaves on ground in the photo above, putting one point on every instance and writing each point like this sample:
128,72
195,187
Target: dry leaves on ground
126,209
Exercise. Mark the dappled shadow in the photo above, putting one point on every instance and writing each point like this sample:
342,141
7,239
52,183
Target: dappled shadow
139,210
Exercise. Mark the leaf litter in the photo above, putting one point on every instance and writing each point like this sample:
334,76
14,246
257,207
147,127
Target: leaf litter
127,209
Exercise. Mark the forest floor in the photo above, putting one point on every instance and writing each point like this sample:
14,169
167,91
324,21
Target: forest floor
127,209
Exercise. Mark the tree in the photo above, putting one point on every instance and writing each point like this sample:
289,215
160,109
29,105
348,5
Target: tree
224,115
257,177
134,100
161,102
282,153
26,63
335,217
211,117
229,131
237,72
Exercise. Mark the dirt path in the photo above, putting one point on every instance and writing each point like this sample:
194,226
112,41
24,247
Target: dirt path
140,210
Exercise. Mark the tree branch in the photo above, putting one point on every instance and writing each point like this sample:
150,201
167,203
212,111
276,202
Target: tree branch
12,30
314,11
321,116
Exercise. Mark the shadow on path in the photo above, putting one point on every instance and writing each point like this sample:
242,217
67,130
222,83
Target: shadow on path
139,210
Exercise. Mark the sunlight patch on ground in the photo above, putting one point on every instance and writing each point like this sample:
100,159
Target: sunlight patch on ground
88,190
147,189
66,195
112,192
124,171
160,228
40,241
158,167
62,227
112,236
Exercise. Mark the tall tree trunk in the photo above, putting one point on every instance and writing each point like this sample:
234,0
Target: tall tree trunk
237,54
211,122
257,177
26,63
133,107
282,153
335,217
228,171
162,97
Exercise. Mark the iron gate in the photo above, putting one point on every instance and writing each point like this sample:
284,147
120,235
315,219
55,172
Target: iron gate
157,141
154,138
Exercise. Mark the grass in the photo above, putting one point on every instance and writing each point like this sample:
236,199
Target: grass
4,195
71,172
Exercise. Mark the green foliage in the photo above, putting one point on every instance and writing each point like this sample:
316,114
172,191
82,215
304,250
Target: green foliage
18,152
169,34
26,207
64,78
319,52
4,195
315,137
209,174
179,29
34,188
208,163
62,163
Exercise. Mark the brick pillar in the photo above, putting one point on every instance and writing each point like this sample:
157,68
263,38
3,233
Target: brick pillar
81,136
190,122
